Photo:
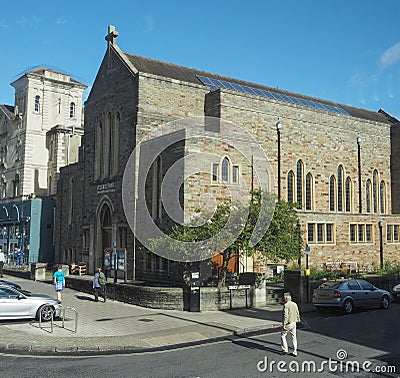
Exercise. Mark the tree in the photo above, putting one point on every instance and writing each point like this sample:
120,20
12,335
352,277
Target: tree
283,239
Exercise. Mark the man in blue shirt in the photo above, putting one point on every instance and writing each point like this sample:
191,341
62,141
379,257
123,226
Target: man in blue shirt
59,281
18,255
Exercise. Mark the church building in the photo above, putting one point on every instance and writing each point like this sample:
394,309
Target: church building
337,162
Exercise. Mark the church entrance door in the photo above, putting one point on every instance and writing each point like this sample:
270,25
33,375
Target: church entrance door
106,230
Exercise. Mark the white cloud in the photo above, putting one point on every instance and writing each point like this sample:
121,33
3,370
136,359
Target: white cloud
356,79
391,55
31,22
61,21
149,23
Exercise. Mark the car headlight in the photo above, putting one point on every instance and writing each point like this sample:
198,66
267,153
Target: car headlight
396,288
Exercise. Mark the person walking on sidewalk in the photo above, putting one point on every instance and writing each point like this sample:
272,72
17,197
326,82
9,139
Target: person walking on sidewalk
18,256
291,316
2,261
59,281
99,285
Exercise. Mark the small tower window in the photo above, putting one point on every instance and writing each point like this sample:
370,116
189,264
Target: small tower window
72,110
37,104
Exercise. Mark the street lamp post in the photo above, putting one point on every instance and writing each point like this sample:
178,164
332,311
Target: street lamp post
278,130
359,174
307,274
381,243
299,222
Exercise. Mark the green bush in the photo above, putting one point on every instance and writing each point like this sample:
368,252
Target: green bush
276,278
320,274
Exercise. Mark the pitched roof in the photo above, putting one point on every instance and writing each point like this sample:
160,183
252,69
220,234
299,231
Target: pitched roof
187,74
8,110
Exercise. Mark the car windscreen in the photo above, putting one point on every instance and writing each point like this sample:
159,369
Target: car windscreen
8,292
330,285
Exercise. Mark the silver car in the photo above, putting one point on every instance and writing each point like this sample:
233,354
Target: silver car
8,283
396,292
348,294
15,304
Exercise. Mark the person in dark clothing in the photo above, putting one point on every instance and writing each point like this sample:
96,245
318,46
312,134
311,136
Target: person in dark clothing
2,261
99,285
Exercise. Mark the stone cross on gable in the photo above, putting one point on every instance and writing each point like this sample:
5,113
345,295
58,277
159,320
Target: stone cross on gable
112,35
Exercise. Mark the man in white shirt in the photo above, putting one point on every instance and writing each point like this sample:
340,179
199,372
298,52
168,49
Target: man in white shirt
290,317
2,261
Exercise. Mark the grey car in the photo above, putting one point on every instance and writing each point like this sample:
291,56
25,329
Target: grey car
16,304
348,294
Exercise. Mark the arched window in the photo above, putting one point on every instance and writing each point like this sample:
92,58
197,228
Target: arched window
225,172
340,189
299,184
309,194
382,193
16,186
49,186
98,153
107,143
3,188
72,110
375,190
225,169
290,187
348,195
37,104
332,186
115,138
71,201
156,203
368,195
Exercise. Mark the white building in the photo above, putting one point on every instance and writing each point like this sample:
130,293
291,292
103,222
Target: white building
39,134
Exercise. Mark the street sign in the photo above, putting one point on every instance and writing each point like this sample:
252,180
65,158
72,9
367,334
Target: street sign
307,249
239,287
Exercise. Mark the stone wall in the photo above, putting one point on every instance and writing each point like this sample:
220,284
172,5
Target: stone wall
211,299
224,299
145,296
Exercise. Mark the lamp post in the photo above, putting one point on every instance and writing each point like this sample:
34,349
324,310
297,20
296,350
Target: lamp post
307,274
299,223
359,174
381,243
278,130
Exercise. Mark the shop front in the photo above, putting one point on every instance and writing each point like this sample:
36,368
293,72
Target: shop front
27,225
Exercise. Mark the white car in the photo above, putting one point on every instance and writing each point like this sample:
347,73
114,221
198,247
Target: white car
396,292
16,304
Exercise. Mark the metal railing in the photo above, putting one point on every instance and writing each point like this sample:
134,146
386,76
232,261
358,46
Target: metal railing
52,322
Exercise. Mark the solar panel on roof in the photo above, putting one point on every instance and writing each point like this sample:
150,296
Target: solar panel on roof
216,84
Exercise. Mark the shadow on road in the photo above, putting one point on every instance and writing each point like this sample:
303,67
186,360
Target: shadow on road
84,298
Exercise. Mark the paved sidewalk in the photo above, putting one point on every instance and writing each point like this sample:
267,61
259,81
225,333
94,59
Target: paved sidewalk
119,327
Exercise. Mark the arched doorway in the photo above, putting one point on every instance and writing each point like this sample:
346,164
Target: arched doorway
106,230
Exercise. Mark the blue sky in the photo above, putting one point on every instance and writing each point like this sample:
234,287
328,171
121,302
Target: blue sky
341,50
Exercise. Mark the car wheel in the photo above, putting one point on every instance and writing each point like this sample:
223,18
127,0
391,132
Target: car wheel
47,312
385,302
348,306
